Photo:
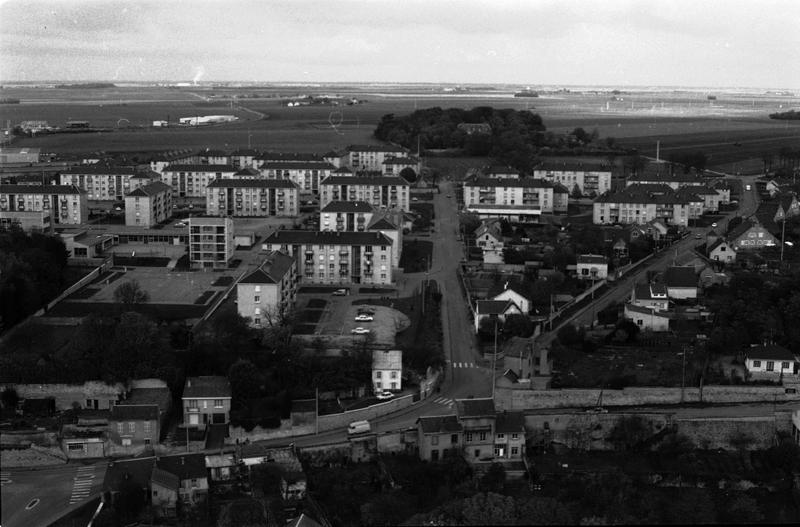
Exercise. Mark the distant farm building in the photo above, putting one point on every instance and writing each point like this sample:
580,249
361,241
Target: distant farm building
200,120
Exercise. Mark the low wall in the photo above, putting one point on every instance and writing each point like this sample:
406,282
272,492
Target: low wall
239,434
26,438
66,394
585,431
749,433
329,422
525,399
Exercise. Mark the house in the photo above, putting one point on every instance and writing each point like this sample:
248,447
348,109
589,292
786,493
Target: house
751,236
392,166
387,370
246,197
681,282
164,488
269,292
511,293
724,191
648,317
210,243
159,396
650,296
592,267
134,427
81,244
494,309
293,479
190,469
509,436
206,400
489,238
223,469
148,205
528,364
771,362
334,257
720,251
477,417
439,437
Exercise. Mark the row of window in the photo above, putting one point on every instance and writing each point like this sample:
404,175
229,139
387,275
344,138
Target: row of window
132,427
770,365
193,403
393,374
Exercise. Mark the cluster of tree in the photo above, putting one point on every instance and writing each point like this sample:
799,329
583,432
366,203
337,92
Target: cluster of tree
791,115
514,136
690,160
32,273
426,350
512,326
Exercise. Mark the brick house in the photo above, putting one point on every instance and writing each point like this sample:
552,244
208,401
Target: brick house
206,400
135,426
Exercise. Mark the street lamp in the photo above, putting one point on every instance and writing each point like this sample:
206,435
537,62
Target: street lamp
593,272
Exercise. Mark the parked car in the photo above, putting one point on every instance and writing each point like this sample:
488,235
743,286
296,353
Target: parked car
366,310
697,236
180,224
364,318
384,395
359,331
340,292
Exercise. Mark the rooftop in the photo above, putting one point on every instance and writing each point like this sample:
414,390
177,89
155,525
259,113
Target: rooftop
328,238
134,412
184,466
365,180
271,271
200,168
209,386
595,259
439,424
680,277
100,169
475,407
41,189
165,479
387,360
492,307
571,166
316,164
376,148
770,352
348,206
510,422
252,183
150,190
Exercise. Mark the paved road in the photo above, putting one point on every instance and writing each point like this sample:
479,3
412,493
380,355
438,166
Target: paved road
59,490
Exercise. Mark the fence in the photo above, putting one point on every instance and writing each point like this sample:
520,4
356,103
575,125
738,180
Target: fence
74,287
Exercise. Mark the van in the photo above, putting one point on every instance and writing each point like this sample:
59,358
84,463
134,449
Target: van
358,427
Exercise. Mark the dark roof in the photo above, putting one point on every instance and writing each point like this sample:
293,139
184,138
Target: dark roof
381,222
400,161
301,165
517,347
364,180
714,245
740,229
475,407
209,386
185,466
122,473
439,424
342,170
770,352
328,238
376,148
161,397
510,422
150,190
40,189
304,520
248,171
134,412
647,311
252,183
271,271
348,206
245,152
100,169
492,307
680,277
508,182
572,166
591,259
558,188
200,168
165,479
649,292
289,156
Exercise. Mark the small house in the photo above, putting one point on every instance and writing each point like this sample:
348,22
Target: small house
206,400
592,267
439,436
164,493
387,370
477,417
509,437
681,282
647,317
720,251
190,469
770,362
511,293
494,309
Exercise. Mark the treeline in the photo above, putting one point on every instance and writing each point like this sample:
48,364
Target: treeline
513,139
87,85
32,272
791,115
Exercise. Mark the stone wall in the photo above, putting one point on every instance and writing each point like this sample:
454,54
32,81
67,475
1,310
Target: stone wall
585,430
329,422
66,394
749,433
286,429
525,399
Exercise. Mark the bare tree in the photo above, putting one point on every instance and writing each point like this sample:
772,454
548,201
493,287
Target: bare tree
130,293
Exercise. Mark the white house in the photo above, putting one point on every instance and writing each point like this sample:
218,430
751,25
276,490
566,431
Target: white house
647,317
509,293
682,283
592,267
267,293
499,309
387,370
720,251
489,238
771,362
650,296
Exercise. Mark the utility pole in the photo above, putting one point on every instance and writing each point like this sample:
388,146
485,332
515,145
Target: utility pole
316,410
783,234
494,357
683,373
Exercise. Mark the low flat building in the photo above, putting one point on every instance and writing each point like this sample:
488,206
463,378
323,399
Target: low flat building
265,295
242,197
148,205
83,244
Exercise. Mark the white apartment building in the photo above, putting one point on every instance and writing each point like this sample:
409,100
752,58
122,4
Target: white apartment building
65,204
392,166
591,179
370,158
522,199
305,174
329,257
346,216
267,293
149,205
641,204
210,242
106,183
252,197
387,192
191,181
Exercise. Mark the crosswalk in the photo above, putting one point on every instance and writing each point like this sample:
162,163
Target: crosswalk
5,477
82,484
464,365
444,401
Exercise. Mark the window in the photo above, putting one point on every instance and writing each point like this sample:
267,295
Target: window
483,436
126,442
75,447
120,427
468,437
756,364
501,436
217,403
146,427
378,374
477,453
454,439
784,365
516,436
378,385
434,440
770,365
514,450
192,403
257,321
394,373
131,427
256,298
147,441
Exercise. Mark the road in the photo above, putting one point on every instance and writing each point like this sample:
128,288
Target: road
36,497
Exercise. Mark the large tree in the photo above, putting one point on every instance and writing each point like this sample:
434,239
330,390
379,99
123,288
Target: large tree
130,293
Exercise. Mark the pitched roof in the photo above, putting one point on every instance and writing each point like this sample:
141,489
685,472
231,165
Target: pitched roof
680,277
165,479
381,222
271,271
100,169
489,227
650,311
184,466
348,206
510,422
571,166
387,359
650,292
493,307
304,520
439,424
150,190
40,189
248,172
770,352
328,238
507,182
161,397
199,168
400,161
134,412
252,183
475,407
716,244
289,156
376,148
208,386
297,165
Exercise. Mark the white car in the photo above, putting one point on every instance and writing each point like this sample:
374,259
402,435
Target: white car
713,224
359,331
180,224
364,318
384,395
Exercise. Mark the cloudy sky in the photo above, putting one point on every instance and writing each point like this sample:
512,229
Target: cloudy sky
747,43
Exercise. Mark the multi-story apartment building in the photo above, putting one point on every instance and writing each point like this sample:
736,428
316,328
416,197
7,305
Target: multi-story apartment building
245,158
149,205
206,400
33,221
162,160
191,181
65,204
330,257
266,294
591,179
664,174
370,158
210,242
102,182
392,166
643,203
523,199
305,174
252,197
381,192
345,216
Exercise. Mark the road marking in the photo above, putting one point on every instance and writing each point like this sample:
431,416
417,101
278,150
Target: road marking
443,400
5,478
82,484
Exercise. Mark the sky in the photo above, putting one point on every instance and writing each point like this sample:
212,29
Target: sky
703,43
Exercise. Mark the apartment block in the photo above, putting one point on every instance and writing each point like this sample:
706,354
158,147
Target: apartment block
252,197
191,181
522,199
591,179
392,166
149,205
329,257
388,192
305,174
641,204
65,204
370,158
264,295
110,183
210,242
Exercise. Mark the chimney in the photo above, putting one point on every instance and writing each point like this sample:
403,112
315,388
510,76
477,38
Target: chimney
505,286
188,383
